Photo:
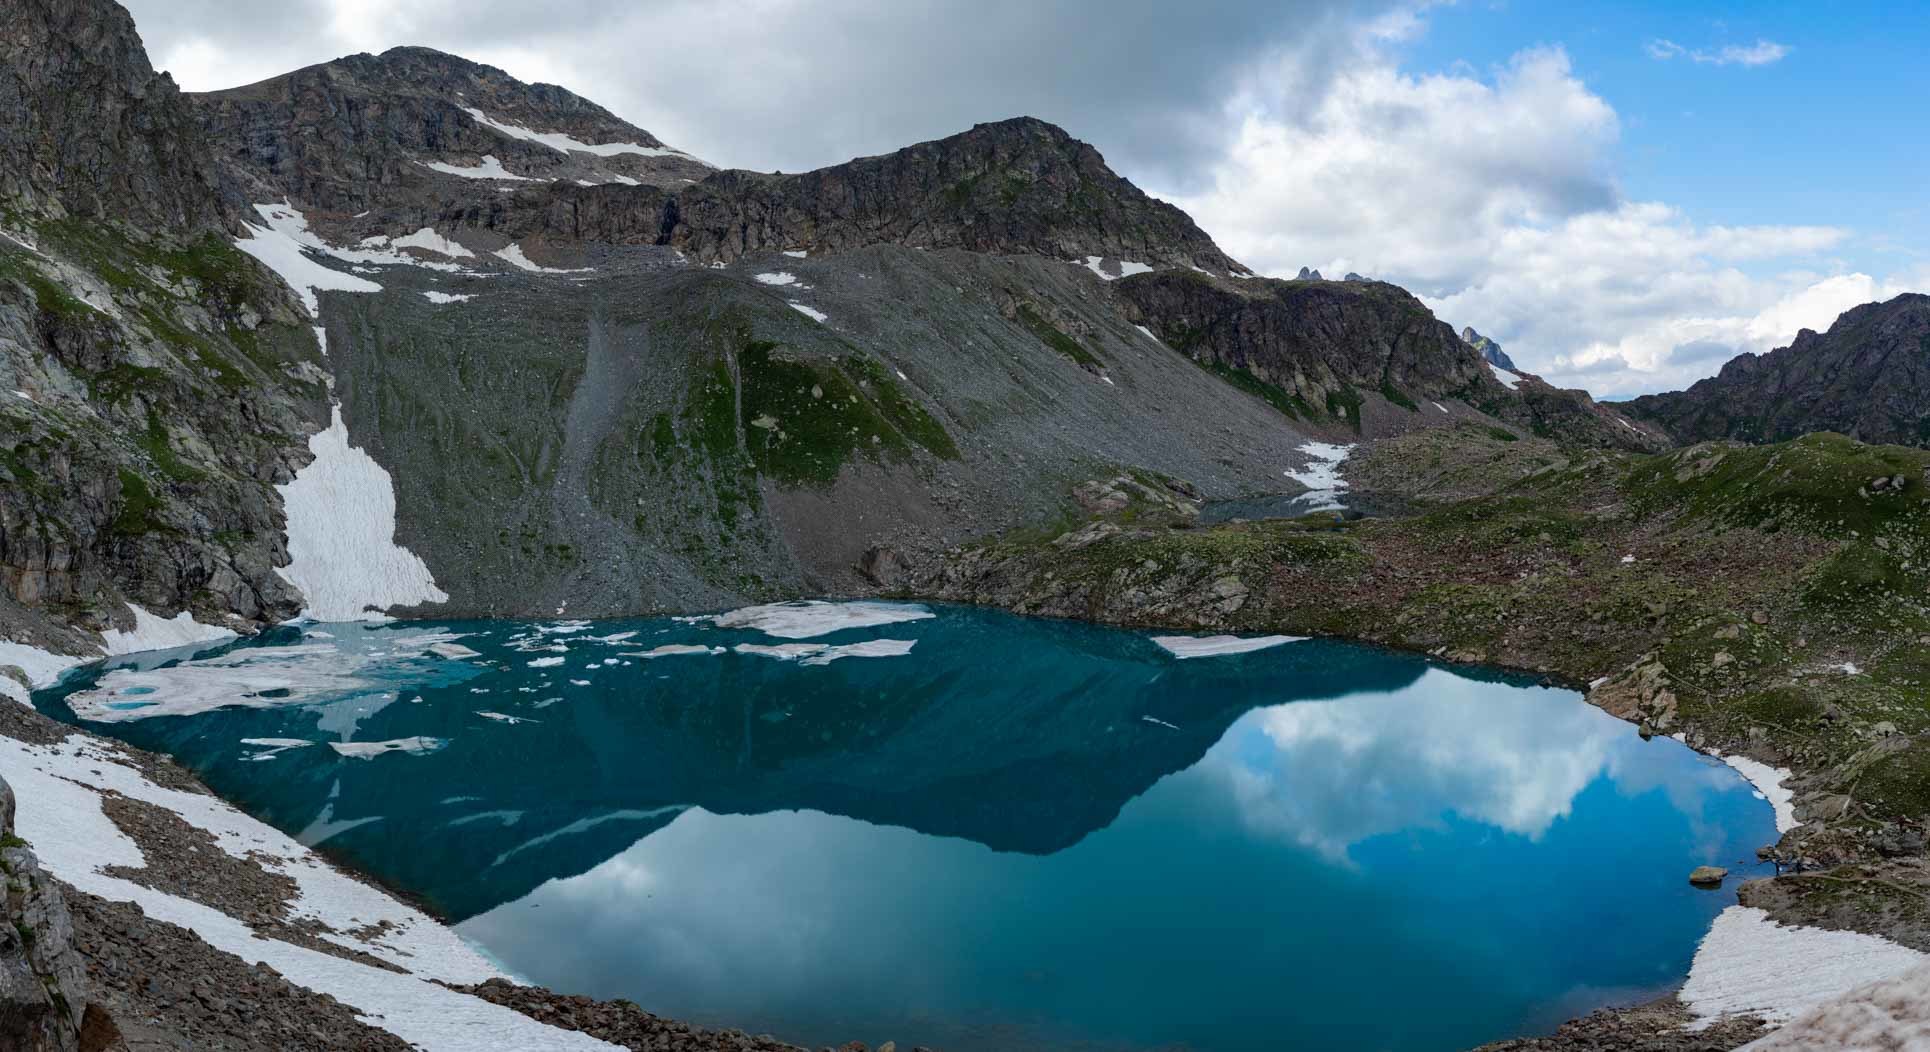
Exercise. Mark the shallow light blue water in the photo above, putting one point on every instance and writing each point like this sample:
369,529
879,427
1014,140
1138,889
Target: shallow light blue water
1020,834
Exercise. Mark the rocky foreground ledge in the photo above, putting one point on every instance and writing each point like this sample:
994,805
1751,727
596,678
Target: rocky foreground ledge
1769,605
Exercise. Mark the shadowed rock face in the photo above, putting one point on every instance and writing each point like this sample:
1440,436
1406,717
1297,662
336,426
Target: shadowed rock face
359,133
1867,377
1335,348
88,129
1015,186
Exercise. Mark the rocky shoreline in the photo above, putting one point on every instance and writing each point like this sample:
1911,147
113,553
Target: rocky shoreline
80,972
1715,595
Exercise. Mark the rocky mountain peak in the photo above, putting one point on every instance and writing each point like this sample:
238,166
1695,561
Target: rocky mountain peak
88,128
1867,377
1490,350
1014,187
414,130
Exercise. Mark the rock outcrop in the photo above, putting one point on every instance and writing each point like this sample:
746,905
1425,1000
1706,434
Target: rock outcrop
87,128
42,1004
413,131
1867,377
155,382
1327,349
1490,350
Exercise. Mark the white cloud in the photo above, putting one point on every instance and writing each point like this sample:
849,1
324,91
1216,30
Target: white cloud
1760,53
1494,199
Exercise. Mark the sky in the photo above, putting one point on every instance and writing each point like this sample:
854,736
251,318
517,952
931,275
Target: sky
1624,195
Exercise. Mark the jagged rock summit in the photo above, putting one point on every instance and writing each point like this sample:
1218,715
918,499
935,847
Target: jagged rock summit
1019,186
415,126
1868,377
1490,350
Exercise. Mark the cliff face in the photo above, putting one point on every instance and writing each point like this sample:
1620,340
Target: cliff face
1335,348
1015,186
88,129
155,383
1867,377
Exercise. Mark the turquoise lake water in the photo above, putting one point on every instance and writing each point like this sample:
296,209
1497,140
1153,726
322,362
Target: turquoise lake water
992,833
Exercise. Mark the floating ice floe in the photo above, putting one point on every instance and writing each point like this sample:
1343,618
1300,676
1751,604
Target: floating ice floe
418,745
672,650
810,312
1749,964
805,619
1321,475
252,677
152,632
452,650
490,168
1212,646
1160,722
501,717
825,653
1508,380
562,143
269,748
1127,268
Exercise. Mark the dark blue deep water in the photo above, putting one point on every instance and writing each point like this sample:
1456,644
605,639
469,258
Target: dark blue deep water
1020,834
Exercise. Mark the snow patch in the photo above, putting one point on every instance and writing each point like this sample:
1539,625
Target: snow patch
1508,380
780,277
562,143
341,535
1892,1013
1321,475
429,241
1750,964
283,245
1184,647
447,297
796,253
1127,268
1769,786
152,632
808,618
514,255
1148,333
810,312
490,168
